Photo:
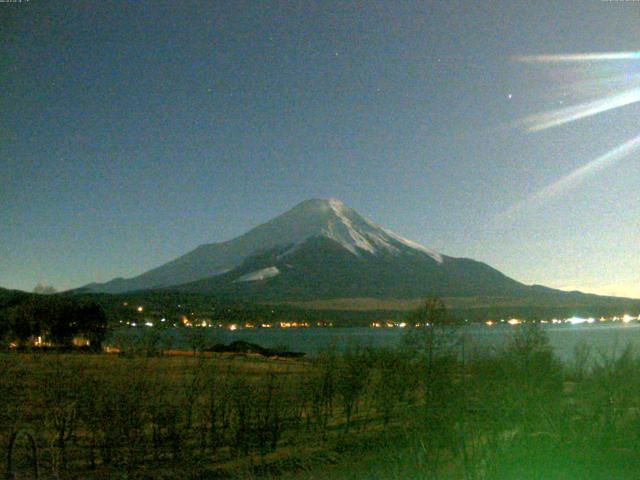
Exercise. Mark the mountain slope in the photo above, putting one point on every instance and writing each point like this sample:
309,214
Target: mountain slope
312,218
322,268
322,250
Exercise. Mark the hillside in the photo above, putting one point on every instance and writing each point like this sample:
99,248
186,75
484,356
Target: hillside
323,253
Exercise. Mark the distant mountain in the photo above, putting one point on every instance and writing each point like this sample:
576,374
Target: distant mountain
4,292
322,250
7,295
323,237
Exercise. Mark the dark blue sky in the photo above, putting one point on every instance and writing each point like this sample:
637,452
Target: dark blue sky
134,131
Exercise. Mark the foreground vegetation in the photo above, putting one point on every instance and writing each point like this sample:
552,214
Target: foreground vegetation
429,409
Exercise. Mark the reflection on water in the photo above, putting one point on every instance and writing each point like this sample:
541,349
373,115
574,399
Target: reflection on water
603,338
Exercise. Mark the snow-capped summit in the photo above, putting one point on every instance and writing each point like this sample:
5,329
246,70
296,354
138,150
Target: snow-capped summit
319,246
311,219
331,219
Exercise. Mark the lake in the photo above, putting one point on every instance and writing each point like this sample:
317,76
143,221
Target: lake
605,338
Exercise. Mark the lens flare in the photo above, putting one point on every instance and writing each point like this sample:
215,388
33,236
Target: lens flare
555,118
579,175
597,87
578,57
614,98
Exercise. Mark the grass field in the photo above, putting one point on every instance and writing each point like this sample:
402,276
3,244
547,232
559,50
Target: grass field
420,411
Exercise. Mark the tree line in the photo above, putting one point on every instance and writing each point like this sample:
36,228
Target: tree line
441,409
55,320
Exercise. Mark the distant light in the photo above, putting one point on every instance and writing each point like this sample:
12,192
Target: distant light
133,324
233,327
489,322
627,318
579,320
163,320
140,308
149,324
514,321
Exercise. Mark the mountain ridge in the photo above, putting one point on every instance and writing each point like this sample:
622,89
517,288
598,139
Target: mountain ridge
310,218
322,250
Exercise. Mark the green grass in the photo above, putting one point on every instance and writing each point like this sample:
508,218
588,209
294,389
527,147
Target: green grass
516,414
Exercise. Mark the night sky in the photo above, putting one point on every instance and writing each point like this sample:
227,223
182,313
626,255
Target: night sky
131,132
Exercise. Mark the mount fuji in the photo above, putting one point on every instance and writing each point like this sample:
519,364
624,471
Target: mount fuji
322,250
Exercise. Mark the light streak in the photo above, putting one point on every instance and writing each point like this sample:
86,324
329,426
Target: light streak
555,118
614,98
579,175
578,57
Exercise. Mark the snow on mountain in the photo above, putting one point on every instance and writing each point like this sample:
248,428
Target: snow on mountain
314,218
416,246
355,232
332,219
261,274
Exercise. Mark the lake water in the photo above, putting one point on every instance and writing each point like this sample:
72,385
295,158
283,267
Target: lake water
605,338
